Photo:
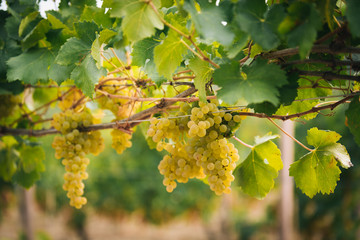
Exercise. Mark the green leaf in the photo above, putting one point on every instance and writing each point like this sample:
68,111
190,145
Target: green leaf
72,52
60,73
306,89
55,22
103,37
98,15
253,18
258,83
208,22
86,75
30,67
87,31
203,73
317,171
308,22
36,34
31,157
8,158
26,180
25,21
257,172
143,50
167,3
169,54
139,21
353,115
150,70
297,107
352,15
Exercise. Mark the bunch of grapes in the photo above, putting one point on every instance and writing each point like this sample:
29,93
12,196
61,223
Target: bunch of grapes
71,98
120,140
72,147
198,145
120,107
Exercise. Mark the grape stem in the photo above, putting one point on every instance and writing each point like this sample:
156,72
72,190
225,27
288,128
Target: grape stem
293,138
145,114
243,143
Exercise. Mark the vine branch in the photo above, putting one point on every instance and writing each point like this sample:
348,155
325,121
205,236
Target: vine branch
145,114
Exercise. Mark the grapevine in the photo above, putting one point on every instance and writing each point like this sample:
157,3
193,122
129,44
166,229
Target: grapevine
174,72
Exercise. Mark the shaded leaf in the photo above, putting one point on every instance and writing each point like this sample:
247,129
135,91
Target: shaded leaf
30,67
203,73
86,75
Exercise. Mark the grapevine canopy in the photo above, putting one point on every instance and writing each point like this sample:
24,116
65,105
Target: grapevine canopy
138,59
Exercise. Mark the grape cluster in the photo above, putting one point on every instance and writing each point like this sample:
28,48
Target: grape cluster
72,147
120,140
121,108
69,99
177,165
198,145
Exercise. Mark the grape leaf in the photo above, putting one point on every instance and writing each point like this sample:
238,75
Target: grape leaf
352,14
209,21
60,73
168,55
203,74
25,21
26,180
257,172
150,70
353,115
86,75
72,51
98,15
306,89
253,18
8,158
101,38
143,50
260,83
30,67
86,31
308,22
31,157
36,34
297,107
317,171
140,20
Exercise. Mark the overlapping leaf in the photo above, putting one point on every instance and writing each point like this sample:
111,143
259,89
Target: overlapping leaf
258,83
254,18
209,22
203,73
139,21
169,54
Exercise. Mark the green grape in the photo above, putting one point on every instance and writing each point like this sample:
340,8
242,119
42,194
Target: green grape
197,146
72,147
120,140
